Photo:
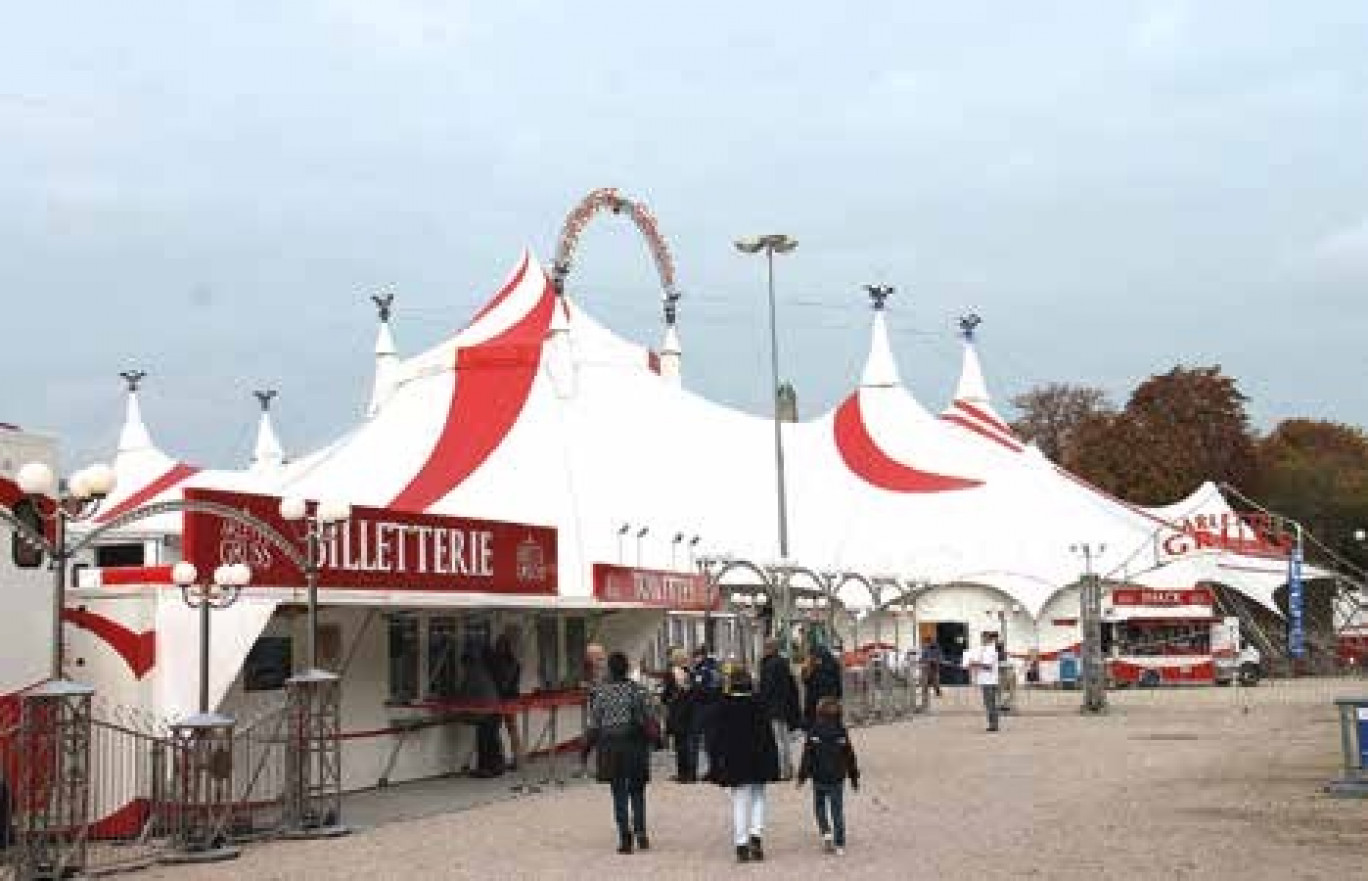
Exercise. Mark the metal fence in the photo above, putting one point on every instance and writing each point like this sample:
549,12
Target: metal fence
876,693
260,775
130,810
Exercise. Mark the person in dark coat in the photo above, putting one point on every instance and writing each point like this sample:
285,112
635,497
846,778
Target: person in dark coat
617,733
705,691
478,687
779,693
829,760
823,680
507,673
743,758
674,694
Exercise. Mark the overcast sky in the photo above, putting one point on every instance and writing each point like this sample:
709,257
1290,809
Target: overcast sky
210,191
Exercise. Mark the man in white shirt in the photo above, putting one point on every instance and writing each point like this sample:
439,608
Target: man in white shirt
983,667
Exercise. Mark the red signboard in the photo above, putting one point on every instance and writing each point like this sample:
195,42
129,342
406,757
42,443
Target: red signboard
380,549
681,591
1144,596
1254,534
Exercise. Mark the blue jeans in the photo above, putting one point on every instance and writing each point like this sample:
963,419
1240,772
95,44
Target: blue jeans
631,793
830,796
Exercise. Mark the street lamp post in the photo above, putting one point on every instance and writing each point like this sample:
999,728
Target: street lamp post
203,773
771,245
53,797
314,803
1090,609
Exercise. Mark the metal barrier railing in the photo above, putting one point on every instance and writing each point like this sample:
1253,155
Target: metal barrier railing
875,694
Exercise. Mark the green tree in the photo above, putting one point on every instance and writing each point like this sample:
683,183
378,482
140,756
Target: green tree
1316,471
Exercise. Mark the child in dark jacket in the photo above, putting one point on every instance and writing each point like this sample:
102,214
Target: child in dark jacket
828,758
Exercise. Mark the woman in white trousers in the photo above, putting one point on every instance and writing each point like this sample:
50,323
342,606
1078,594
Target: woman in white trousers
744,758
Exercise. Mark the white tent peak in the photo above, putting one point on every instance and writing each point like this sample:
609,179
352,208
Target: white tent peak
268,454
971,388
670,355
134,435
386,356
880,370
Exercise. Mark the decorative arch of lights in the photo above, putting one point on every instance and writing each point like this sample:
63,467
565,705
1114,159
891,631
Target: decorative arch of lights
608,199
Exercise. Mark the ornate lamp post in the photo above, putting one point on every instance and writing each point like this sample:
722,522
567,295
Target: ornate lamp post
771,245
53,791
314,802
202,781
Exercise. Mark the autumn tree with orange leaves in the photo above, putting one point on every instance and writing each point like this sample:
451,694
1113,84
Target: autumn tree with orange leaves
1177,430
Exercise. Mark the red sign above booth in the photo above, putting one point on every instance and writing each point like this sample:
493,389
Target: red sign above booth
380,549
680,591
1143,596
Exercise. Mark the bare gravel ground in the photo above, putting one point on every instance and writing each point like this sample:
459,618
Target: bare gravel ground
1211,783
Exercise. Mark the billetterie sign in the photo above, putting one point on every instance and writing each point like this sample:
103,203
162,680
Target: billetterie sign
682,591
1145,596
379,548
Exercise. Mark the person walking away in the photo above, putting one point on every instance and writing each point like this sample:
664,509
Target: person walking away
823,680
743,758
779,694
705,691
828,760
617,734
679,716
982,664
507,673
932,657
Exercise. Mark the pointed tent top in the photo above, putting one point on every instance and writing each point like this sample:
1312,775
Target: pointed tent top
880,370
670,346
971,387
386,354
134,435
268,453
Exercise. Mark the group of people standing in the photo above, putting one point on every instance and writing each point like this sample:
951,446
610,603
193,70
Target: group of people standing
744,730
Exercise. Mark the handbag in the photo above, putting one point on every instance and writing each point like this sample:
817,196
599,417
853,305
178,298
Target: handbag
648,724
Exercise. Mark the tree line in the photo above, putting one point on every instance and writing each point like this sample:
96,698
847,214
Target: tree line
1189,425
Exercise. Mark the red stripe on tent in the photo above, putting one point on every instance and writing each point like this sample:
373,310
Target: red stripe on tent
114,576
980,430
864,458
139,650
984,416
503,294
493,382
178,473
653,360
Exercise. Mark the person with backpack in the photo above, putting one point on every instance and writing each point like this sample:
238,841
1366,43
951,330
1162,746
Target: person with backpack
619,732
743,758
823,680
828,760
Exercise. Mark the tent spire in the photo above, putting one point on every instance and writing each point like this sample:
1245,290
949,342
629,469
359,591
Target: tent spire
386,355
671,355
880,370
971,388
134,435
268,453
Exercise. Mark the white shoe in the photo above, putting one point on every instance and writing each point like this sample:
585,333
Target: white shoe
828,846
840,851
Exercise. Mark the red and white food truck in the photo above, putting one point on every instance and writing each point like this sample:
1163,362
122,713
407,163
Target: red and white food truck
1173,637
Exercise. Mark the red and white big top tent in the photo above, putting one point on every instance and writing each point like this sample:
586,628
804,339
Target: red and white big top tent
537,414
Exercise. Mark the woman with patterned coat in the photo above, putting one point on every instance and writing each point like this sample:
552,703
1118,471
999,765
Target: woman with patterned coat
617,733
